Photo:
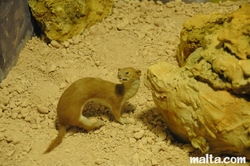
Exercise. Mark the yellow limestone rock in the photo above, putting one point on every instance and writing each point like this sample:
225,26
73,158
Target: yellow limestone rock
61,20
216,122
216,49
232,30
206,101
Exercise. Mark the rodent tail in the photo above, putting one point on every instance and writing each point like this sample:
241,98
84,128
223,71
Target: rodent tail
58,139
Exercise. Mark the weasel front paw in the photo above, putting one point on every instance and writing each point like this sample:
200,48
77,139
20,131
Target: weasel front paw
95,124
99,124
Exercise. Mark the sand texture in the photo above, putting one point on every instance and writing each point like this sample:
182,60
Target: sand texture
137,34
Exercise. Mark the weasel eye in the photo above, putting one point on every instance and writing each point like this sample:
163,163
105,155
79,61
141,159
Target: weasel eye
126,72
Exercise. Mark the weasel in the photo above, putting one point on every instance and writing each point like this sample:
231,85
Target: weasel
114,96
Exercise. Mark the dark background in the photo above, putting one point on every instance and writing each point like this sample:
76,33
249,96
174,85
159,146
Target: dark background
16,29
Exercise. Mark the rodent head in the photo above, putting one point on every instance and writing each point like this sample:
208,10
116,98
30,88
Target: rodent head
128,74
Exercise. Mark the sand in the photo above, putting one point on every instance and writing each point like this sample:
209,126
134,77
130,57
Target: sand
137,34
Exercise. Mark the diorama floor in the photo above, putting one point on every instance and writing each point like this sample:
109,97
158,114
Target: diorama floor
136,34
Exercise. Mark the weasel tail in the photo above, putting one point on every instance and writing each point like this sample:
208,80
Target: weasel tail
58,139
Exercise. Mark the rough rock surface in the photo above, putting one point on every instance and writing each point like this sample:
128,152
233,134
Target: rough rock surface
61,20
213,121
232,30
222,60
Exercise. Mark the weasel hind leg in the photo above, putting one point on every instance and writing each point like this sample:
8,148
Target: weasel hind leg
88,124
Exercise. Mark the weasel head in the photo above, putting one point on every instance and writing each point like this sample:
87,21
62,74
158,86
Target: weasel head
128,74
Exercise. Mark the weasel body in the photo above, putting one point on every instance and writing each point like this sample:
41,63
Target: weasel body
73,99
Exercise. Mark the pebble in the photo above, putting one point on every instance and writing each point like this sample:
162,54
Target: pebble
113,134
5,91
12,104
55,44
42,109
188,148
158,22
115,124
98,162
149,140
14,115
51,115
25,103
24,112
77,39
154,161
139,134
105,117
132,140
144,141
66,44
122,24
19,88
142,102
43,124
5,99
27,149
162,136
10,153
45,51
52,68
165,147
63,85
16,140
155,148
8,138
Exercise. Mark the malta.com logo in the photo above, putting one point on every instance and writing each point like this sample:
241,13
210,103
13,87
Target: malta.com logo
210,159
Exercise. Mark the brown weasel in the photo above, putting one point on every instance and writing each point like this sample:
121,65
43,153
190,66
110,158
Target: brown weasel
73,99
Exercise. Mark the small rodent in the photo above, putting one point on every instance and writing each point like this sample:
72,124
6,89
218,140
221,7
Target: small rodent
73,99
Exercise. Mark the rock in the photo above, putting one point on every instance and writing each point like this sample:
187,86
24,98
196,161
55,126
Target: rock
154,161
10,153
25,112
61,20
19,88
66,44
132,140
139,134
214,121
52,68
221,58
42,109
55,44
188,148
232,30
122,24
156,148
4,99
27,149
162,136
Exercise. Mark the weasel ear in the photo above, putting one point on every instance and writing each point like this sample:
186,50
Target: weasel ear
138,72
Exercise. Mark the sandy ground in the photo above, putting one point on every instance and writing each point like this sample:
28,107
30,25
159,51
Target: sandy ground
136,34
